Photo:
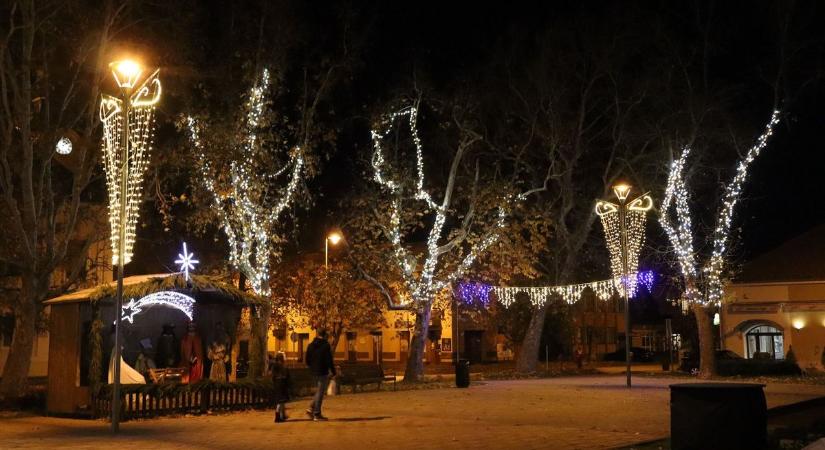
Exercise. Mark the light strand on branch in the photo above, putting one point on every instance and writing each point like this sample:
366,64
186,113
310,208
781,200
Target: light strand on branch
425,286
713,270
242,202
677,198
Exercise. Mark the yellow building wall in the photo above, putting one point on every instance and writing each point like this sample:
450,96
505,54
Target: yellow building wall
798,308
392,343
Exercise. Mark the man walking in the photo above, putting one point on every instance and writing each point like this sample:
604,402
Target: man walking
319,360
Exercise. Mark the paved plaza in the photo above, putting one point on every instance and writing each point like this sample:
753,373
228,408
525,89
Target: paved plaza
573,412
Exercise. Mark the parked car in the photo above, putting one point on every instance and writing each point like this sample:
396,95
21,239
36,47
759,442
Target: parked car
729,363
637,354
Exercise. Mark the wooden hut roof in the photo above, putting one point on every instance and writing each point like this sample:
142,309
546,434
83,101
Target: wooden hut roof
142,285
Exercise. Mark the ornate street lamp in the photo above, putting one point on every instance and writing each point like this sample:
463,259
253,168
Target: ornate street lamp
624,232
127,138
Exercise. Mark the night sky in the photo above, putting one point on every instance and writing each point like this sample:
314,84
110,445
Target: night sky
447,46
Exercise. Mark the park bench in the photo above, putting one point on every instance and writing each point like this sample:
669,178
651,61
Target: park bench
356,375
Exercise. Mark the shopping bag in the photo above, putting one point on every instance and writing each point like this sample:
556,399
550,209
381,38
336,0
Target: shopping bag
332,387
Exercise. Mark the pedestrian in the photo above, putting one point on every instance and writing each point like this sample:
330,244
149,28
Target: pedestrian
281,383
579,356
319,360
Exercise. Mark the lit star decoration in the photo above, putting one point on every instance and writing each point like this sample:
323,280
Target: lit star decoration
141,123
422,284
680,234
248,203
635,218
181,302
571,293
186,261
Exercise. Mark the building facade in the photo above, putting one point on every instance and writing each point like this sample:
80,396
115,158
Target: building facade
777,304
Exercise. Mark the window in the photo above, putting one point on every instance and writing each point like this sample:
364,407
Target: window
764,342
648,341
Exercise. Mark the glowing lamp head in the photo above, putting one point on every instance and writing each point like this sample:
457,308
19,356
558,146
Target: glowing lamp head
334,238
126,73
798,324
622,190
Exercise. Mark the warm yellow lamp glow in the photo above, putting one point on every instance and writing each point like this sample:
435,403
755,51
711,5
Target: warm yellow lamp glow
126,73
622,191
334,238
798,324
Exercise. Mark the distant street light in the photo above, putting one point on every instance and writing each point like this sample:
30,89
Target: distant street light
624,231
127,136
333,238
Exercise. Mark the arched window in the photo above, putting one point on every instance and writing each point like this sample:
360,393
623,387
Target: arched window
764,342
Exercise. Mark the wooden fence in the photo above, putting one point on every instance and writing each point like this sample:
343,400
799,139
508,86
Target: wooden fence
149,404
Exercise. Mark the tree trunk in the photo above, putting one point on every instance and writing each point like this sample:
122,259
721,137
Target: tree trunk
704,329
529,351
336,337
16,370
258,356
415,361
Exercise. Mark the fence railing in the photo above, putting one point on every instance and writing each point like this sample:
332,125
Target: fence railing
141,404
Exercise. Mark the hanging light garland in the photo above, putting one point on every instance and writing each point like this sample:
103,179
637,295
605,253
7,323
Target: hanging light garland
141,124
248,218
571,293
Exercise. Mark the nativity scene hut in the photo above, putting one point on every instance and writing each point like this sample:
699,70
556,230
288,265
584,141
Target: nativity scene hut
178,333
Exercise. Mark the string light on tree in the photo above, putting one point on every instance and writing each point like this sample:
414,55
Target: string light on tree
423,288
250,204
676,221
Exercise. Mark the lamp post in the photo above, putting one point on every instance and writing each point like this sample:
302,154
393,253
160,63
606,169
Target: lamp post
126,158
624,232
333,238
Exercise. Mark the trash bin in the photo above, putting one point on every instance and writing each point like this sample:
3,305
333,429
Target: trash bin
713,416
462,373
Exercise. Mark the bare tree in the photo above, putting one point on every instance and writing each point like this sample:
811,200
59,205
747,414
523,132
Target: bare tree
704,282
49,89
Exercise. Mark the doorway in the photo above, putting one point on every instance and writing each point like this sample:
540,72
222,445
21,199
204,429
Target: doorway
473,345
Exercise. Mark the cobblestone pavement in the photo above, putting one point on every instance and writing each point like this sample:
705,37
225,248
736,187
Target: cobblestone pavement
574,412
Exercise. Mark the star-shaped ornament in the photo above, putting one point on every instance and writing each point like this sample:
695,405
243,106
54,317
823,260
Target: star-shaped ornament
186,261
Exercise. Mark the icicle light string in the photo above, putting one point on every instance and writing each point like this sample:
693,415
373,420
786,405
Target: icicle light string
139,146
538,295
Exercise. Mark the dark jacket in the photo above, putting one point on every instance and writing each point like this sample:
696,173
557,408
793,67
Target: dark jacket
281,382
319,357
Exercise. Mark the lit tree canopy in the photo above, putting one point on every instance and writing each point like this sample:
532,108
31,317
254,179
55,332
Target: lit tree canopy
676,220
248,196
